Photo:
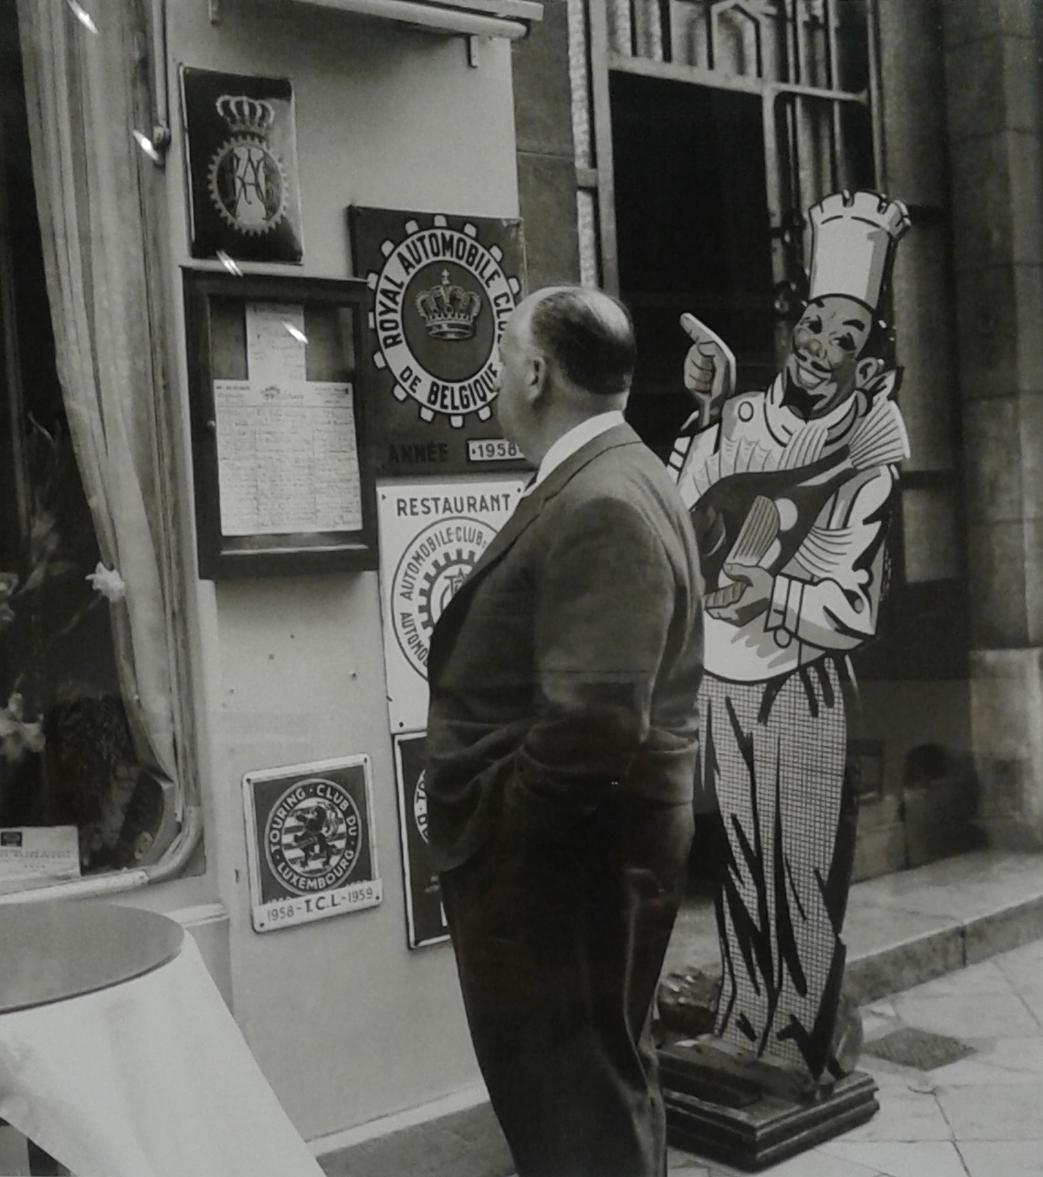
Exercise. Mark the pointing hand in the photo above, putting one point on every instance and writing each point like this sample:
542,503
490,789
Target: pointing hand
709,371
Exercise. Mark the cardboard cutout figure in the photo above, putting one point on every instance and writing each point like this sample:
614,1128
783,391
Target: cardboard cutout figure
790,489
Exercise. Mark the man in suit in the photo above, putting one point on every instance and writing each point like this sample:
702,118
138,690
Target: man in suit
561,754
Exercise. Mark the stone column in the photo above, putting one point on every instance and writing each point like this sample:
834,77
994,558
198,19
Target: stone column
546,159
993,80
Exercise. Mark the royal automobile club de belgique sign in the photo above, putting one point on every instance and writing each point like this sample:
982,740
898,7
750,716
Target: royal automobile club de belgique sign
442,289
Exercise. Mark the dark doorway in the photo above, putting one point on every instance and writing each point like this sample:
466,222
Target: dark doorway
692,234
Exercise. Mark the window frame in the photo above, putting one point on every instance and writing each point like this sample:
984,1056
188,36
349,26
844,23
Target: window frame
182,803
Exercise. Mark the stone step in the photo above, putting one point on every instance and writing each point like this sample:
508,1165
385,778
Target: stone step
914,925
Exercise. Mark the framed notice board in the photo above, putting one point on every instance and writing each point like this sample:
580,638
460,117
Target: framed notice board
279,434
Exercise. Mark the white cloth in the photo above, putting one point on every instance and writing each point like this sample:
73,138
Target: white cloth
574,440
149,1078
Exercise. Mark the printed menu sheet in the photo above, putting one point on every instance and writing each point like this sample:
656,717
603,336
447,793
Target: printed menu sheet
287,453
287,456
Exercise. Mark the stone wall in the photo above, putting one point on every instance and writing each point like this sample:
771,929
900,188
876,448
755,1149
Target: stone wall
993,93
546,161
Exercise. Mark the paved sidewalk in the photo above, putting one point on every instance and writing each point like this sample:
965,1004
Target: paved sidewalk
902,930
979,1117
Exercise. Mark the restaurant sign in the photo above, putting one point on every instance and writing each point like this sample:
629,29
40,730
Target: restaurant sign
431,535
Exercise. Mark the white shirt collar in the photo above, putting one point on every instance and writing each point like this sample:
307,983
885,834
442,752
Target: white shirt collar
575,439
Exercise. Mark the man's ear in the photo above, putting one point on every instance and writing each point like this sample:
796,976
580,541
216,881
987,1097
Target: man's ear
867,370
537,378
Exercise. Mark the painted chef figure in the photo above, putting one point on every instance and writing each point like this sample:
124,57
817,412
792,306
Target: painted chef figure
790,491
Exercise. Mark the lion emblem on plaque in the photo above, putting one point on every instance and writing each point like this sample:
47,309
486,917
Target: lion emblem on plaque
312,835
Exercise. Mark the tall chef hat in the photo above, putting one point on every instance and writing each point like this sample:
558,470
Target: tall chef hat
853,235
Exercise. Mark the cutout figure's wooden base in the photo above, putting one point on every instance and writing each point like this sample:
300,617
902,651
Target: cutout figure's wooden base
750,1113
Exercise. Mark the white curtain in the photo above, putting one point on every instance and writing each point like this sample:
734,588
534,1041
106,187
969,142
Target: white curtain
85,94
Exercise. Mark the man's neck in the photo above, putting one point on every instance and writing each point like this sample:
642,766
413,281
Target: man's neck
575,439
565,418
556,430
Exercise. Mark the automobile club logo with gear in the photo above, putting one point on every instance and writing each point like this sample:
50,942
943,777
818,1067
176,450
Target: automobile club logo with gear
431,569
245,179
312,836
440,302
420,806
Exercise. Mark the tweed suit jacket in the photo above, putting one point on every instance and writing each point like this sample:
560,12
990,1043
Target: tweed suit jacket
567,664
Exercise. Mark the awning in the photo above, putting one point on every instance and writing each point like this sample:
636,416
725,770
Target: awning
471,18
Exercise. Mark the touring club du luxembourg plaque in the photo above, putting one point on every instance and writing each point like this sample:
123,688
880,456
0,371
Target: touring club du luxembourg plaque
310,844
442,288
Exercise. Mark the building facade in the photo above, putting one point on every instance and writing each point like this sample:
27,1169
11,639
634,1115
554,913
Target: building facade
665,150
703,132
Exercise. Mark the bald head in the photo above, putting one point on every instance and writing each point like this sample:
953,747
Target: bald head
586,334
566,354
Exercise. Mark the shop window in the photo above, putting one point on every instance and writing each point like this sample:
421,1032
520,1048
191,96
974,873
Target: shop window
90,728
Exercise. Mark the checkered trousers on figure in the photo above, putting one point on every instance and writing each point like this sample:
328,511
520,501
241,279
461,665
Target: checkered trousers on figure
774,752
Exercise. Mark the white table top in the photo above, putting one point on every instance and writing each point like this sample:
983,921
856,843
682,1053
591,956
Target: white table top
57,949
144,1072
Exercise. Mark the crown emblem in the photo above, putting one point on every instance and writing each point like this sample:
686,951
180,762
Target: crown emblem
449,311
854,235
246,116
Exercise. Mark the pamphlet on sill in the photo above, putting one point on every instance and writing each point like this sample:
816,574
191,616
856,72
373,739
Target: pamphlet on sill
32,854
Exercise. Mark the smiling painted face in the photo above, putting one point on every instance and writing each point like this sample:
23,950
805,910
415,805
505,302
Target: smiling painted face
822,368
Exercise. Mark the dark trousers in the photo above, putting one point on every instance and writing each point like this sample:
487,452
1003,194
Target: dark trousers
559,940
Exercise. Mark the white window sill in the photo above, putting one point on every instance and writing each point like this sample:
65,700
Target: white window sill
112,882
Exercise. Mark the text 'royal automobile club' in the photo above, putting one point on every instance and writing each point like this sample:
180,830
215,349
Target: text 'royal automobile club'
460,251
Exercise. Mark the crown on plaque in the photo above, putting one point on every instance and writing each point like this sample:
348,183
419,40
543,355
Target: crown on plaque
853,237
449,311
246,116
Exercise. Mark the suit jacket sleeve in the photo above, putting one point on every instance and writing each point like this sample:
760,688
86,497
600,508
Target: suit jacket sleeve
604,605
